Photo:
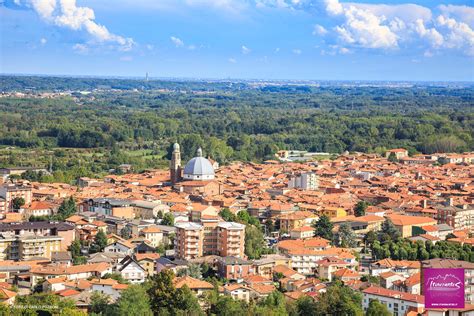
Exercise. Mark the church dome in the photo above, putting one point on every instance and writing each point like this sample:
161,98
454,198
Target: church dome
198,168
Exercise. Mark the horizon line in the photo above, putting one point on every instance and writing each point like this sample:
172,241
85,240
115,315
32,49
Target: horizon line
184,78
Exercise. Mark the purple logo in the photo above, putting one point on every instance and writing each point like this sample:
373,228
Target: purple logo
443,288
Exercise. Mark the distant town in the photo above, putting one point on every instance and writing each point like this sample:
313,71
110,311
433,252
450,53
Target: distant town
244,230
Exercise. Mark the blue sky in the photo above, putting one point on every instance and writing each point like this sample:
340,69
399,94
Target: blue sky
268,39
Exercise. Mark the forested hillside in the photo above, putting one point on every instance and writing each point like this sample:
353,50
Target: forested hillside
244,121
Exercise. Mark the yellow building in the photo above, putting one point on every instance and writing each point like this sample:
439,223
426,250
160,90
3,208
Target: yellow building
38,246
28,247
405,223
153,234
289,222
332,212
8,247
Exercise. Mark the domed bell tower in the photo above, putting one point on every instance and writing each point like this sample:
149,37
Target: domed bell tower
175,164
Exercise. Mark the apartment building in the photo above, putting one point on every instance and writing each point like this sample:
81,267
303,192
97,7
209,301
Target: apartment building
209,238
189,240
398,303
231,239
65,231
305,181
28,247
10,191
458,217
448,263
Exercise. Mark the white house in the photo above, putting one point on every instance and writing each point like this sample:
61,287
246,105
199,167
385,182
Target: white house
123,247
131,270
109,287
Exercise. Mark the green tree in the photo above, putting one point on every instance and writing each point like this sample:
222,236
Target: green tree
390,230
187,302
274,304
126,232
254,242
323,227
245,218
134,301
99,303
345,236
162,291
392,157
370,237
377,309
306,306
100,242
168,219
227,215
227,306
116,276
193,270
360,208
339,300
75,249
17,203
67,208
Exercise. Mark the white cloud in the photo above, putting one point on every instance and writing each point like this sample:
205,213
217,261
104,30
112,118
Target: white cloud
176,41
460,12
333,7
245,50
458,35
277,50
297,51
343,50
431,34
80,48
66,14
319,30
43,41
232,60
126,58
365,29
191,47
149,47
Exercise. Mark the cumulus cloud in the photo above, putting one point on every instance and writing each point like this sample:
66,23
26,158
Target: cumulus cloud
65,13
245,50
381,26
43,41
458,35
431,34
319,30
365,29
462,13
176,41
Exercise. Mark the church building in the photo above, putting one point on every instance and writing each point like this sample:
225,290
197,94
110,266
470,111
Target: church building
197,177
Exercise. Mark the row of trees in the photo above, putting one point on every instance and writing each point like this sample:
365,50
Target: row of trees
404,249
